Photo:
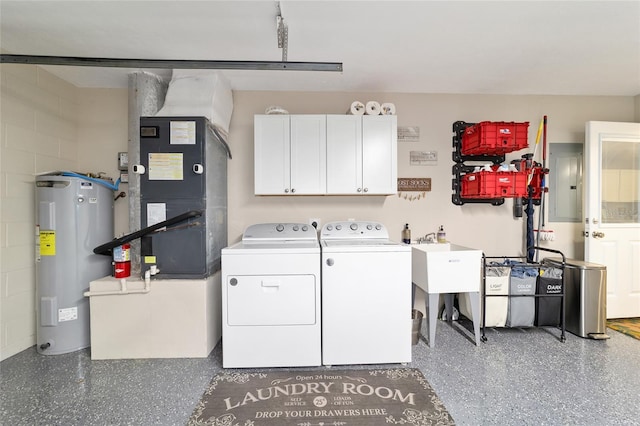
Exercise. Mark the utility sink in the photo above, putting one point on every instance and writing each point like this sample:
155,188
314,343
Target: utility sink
446,268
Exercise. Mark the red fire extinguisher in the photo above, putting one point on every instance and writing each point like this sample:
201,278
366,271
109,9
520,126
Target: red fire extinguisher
122,261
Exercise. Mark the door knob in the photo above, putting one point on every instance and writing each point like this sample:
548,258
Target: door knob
330,262
596,234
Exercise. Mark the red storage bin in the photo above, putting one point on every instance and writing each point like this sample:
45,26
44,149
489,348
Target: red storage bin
494,138
494,184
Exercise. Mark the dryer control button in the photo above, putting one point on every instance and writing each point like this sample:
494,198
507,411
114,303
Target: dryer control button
296,227
329,227
305,228
378,227
354,226
369,227
338,227
280,228
233,281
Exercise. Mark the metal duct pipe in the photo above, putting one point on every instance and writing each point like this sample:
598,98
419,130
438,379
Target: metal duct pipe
146,96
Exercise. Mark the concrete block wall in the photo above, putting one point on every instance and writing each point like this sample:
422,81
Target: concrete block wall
38,133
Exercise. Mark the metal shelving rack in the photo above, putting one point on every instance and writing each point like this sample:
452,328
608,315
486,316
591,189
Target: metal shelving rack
460,168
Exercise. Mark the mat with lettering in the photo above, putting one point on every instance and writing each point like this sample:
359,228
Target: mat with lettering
320,398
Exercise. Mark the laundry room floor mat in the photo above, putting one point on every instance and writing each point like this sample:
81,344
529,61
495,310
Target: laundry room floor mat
628,326
324,397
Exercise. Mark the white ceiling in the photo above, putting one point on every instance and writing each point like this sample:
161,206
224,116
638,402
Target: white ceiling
471,47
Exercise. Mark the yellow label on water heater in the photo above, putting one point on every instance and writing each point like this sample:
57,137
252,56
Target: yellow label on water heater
47,243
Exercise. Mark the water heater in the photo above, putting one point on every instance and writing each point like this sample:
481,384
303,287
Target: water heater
74,215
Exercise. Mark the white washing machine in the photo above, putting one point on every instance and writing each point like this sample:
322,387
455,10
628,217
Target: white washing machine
366,295
271,298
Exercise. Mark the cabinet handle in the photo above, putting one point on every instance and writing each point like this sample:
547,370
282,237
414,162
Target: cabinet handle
286,190
293,190
359,189
366,190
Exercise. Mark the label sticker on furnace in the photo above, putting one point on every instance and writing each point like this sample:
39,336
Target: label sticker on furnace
165,166
183,133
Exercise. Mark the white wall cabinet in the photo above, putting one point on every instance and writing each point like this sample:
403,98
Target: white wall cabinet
325,154
290,154
362,154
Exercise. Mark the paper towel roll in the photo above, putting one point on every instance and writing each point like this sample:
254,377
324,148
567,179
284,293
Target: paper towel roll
388,108
373,108
357,108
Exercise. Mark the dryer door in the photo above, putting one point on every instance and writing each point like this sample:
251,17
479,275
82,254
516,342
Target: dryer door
254,300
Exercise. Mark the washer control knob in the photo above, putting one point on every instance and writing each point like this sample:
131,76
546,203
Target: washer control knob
338,227
329,227
296,227
369,227
305,228
378,227
354,226
280,227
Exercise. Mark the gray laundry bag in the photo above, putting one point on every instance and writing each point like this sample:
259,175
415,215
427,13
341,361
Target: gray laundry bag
522,284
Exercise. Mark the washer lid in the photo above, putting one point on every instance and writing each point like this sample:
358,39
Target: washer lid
358,243
363,246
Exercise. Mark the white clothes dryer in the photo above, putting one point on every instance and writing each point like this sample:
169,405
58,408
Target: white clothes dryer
366,295
271,298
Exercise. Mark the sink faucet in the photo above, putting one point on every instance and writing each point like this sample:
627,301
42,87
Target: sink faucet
429,238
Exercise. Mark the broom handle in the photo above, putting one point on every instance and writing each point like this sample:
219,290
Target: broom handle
544,167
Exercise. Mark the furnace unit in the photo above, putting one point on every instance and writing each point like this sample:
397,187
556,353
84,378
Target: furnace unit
183,167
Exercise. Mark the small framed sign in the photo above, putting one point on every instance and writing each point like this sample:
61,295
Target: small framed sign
408,134
423,158
414,184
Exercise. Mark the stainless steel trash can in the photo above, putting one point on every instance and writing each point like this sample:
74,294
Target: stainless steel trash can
585,297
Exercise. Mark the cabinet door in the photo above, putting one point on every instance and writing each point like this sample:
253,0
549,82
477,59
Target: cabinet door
344,154
379,154
272,157
308,154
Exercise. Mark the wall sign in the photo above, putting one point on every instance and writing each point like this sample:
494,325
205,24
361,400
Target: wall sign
414,184
408,134
423,158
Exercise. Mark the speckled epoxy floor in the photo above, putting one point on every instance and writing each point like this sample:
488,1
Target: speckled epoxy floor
518,377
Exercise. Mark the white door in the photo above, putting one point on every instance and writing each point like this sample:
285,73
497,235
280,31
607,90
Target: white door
379,154
308,154
611,207
272,157
344,154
